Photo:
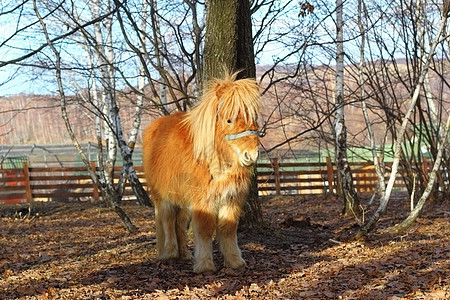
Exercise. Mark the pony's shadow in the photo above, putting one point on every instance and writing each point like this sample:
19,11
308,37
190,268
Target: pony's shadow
265,263
172,276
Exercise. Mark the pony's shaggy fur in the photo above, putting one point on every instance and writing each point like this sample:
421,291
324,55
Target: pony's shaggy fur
194,171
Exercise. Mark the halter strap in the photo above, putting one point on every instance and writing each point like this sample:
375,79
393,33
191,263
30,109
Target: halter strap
230,137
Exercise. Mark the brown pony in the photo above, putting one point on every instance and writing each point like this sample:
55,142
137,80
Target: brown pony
198,165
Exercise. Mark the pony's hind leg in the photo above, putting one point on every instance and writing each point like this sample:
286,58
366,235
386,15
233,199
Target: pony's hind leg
183,219
204,224
159,232
227,236
160,236
166,230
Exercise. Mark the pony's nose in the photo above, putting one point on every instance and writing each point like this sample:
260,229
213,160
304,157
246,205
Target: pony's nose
249,157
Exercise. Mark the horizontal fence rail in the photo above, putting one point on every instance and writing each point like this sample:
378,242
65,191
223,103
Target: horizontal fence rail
316,178
52,184
22,185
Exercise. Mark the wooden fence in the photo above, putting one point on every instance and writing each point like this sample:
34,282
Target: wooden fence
21,185
51,184
317,178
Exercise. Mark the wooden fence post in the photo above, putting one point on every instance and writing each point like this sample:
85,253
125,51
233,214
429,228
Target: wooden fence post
26,172
330,175
276,171
96,193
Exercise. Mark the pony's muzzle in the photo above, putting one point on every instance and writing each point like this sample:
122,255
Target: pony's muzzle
249,158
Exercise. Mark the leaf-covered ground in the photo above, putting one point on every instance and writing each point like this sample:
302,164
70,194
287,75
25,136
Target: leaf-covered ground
82,251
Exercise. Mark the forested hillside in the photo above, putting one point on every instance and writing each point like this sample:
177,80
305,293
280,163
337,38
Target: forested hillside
297,116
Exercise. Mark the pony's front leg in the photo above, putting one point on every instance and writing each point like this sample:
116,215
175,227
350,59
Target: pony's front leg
204,224
227,235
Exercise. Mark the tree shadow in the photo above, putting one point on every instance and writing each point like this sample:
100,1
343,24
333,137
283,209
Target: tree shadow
269,260
416,268
313,260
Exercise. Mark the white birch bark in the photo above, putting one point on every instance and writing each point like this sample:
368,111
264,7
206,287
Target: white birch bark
98,105
351,203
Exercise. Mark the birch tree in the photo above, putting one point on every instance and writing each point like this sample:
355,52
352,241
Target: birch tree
410,219
105,39
427,58
99,49
345,181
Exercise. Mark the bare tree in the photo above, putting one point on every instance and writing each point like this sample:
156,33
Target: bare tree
427,58
123,62
345,181
405,224
170,48
105,179
377,160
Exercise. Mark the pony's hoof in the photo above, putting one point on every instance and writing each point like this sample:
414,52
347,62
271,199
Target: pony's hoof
169,255
185,256
237,263
204,267
169,259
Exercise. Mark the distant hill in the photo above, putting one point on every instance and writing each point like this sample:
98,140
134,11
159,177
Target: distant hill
291,108
31,119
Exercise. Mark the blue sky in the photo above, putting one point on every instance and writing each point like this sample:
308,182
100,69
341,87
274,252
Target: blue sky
35,81
21,83
16,80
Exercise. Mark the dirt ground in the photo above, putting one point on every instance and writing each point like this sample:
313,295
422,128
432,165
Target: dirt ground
82,251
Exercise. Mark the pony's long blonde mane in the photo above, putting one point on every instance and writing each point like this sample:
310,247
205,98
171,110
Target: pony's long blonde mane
224,98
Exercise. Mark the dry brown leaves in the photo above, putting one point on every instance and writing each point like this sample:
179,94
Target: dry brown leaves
81,251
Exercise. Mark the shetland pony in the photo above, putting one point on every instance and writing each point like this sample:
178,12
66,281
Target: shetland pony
198,167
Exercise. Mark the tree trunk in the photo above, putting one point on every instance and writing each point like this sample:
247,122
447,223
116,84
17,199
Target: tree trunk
112,198
228,39
130,172
345,182
428,189
229,46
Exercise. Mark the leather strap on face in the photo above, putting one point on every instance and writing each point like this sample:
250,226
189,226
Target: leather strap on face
230,137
